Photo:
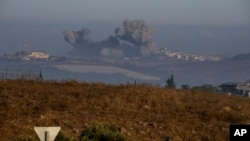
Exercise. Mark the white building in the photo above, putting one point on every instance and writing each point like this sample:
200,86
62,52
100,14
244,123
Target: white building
36,55
244,89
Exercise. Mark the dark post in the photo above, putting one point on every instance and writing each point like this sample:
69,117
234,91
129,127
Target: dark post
46,136
40,75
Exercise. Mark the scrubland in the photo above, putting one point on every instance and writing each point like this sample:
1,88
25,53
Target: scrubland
142,112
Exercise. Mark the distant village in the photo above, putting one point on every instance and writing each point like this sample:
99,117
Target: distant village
177,55
27,54
187,57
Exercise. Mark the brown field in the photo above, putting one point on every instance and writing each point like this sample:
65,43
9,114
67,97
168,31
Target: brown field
143,112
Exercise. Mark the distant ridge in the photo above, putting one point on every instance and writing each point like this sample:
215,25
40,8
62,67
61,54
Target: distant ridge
242,57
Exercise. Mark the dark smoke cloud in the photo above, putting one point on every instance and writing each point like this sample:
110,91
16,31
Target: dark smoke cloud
136,32
138,37
78,37
85,47
140,34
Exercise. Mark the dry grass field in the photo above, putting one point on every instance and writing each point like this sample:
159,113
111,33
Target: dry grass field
142,112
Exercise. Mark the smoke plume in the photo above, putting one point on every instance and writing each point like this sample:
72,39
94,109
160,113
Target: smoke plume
136,35
82,36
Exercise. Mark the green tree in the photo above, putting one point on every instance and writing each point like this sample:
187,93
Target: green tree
170,82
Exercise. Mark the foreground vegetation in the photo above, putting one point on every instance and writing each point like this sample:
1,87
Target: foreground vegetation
140,112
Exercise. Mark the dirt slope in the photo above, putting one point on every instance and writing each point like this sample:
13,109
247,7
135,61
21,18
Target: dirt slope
142,112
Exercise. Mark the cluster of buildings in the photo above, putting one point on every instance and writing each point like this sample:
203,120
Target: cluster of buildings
28,55
187,57
233,88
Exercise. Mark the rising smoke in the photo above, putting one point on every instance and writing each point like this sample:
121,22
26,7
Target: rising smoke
138,33
136,37
82,36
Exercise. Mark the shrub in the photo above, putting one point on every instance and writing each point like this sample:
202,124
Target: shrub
62,137
24,138
102,132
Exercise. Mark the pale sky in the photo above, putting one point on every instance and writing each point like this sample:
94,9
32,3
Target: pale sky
154,11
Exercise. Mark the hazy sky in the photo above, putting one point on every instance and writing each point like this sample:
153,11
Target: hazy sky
43,21
154,11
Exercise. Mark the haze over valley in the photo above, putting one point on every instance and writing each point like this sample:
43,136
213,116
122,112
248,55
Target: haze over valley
195,43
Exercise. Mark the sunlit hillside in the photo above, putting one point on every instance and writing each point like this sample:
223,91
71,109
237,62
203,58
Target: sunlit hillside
142,112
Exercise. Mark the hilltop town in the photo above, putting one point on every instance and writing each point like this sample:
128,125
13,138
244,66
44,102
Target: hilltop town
187,57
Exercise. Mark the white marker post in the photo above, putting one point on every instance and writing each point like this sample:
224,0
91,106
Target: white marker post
47,133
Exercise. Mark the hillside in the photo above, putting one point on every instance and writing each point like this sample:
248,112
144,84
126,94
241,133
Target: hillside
142,112
242,57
